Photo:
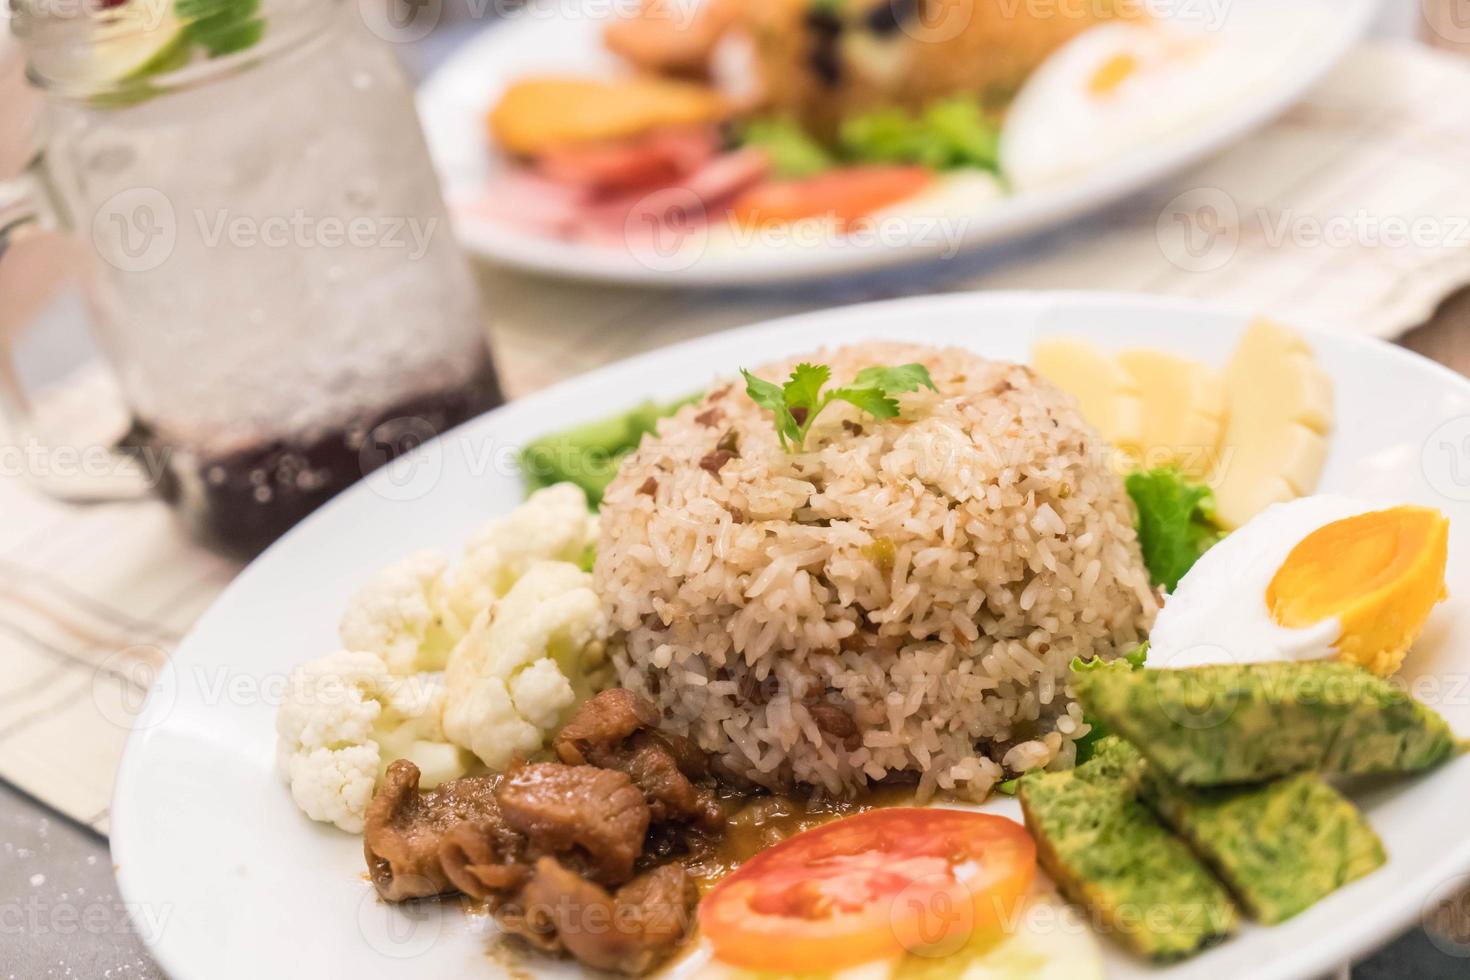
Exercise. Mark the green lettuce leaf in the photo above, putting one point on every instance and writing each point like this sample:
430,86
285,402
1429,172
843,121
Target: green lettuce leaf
1086,745
793,154
1132,660
1176,522
948,134
588,455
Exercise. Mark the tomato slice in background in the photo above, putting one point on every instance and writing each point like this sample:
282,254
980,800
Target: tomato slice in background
845,195
870,887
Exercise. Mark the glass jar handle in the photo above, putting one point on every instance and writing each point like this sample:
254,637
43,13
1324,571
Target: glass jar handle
69,475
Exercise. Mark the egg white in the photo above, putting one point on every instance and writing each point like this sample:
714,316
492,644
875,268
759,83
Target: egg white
1058,128
1218,613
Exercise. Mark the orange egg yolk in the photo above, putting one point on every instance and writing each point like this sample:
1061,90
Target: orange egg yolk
1378,574
1112,73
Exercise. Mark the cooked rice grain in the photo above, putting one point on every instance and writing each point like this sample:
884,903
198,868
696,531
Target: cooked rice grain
903,597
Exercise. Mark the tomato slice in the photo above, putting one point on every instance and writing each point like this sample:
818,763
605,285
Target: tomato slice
845,195
870,887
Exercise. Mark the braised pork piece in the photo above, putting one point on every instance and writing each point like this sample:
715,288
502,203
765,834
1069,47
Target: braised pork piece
628,931
618,730
405,830
555,848
596,813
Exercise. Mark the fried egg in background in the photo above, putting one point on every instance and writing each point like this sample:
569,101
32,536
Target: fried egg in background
1316,578
1125,86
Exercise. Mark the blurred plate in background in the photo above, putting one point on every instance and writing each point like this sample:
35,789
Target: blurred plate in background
1281,48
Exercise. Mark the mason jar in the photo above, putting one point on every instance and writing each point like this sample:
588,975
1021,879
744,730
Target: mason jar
272,274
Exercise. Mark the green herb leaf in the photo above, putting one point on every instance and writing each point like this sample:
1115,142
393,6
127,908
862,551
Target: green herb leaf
221,27
871,400
795,405
772,398
1175,522
903,378
200,9
804,391
226,36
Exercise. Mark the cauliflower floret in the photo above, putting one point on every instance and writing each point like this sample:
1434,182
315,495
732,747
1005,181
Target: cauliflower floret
541,693
553,524
525,663
334,785
402,614
345,717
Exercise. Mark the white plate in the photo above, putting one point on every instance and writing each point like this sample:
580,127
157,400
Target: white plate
546,38
209,844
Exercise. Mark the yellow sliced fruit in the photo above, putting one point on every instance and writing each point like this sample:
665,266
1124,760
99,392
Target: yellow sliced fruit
1278,411
539,114
1378,574
1108,395
1183,410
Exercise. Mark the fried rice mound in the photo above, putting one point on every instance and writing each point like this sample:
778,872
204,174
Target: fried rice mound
900,600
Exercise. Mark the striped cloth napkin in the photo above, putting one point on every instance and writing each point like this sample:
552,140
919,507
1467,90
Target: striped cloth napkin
1353,209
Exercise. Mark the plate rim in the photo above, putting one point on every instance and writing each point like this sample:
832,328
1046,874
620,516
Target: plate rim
1395,911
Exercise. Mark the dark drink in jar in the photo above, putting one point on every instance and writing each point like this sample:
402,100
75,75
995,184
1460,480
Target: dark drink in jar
241,501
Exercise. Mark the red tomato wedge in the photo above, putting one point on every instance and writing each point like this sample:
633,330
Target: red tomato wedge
870,887
846,195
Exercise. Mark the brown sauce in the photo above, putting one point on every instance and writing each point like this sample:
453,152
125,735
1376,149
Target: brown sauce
754,824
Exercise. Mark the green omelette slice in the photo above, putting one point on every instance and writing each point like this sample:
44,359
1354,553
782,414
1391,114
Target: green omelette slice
1109,854
1281,847
1211,726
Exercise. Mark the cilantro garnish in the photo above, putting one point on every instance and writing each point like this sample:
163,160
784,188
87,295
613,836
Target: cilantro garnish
796,404
1176,522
